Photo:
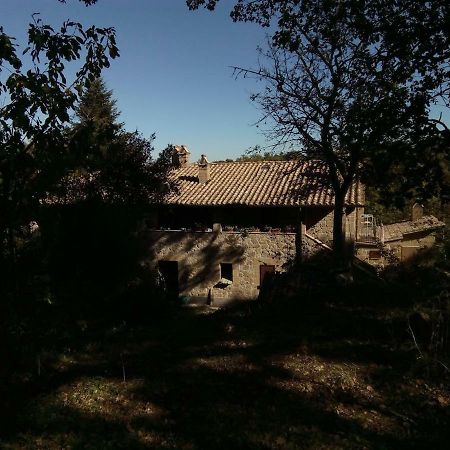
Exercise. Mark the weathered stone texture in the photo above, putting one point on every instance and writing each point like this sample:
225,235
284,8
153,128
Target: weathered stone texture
403,249
311,248
320,223
199,255
323,228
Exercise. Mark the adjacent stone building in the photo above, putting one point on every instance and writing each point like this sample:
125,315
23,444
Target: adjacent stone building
401,241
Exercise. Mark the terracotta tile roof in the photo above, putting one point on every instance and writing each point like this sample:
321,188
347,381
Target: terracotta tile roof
259,183
398,231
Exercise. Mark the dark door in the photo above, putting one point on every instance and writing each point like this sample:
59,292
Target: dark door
169,271
264,271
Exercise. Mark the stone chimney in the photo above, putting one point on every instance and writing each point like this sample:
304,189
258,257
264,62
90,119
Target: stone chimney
204,170
417,211
180,156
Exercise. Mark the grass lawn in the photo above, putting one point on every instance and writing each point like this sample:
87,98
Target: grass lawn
285,376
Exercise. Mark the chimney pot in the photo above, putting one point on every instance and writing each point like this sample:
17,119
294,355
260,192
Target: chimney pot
204,170
180,156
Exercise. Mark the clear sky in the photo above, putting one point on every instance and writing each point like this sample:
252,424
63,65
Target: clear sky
173,76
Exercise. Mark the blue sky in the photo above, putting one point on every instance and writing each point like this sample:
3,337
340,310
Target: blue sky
173,76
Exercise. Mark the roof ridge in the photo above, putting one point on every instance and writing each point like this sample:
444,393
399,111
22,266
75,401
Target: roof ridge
257,162
425,216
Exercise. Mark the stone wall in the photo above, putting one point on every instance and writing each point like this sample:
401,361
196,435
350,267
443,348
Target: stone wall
199,255
311,246
319,223
353,222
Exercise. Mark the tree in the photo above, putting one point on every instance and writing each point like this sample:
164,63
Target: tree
393,186
100,205
97,114
255,154
346,80
119,164
36,103
419,29
95,127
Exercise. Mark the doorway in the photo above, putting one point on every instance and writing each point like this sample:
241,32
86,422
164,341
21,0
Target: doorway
169,271
265,271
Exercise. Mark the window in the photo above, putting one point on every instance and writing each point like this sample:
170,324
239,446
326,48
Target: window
374,254
226,271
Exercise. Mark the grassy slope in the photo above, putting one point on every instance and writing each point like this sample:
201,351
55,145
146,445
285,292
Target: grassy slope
286,376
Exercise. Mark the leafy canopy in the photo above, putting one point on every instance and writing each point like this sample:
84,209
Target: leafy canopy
95,126
36,104
110,164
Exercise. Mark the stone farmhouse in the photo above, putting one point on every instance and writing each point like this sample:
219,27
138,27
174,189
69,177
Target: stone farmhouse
229,224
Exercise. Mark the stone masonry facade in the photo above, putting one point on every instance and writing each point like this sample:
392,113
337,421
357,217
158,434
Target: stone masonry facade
320,225
199,256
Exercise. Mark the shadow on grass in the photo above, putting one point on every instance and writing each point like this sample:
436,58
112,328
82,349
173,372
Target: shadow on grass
295,374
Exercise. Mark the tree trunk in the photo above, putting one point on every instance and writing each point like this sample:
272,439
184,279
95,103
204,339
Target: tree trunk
338,231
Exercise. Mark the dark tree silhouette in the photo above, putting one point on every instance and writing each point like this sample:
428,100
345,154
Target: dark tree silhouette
97,114
36,101
99,206
346,79
110,164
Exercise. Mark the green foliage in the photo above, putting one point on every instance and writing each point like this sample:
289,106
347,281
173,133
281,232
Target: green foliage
36,101
401,26
36,104
118,164
256,154
386,214
113,178
412,171
98,113
96,129
395,182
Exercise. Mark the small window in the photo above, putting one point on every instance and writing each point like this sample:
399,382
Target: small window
374,254
226,271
